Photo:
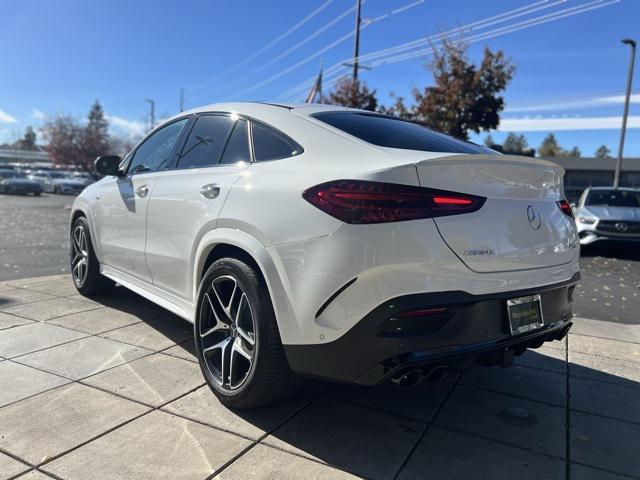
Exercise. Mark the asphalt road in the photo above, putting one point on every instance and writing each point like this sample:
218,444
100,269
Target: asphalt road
33,235
33,242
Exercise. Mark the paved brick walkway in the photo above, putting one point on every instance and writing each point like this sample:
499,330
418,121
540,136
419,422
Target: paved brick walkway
110,389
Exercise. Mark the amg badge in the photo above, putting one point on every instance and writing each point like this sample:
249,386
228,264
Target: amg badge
475,253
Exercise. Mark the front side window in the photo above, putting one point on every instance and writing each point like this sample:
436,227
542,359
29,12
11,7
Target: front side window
269,144
391,132
206,141
155,153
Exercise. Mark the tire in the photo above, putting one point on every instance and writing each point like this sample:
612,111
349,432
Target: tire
266,377
86,277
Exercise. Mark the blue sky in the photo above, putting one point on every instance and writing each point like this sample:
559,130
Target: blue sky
58,57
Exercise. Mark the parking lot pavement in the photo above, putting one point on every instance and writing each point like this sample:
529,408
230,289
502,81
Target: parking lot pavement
34,238
109,388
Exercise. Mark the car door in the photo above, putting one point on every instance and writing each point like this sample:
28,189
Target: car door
187,200
122,201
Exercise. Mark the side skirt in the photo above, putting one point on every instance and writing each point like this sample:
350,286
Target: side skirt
150,292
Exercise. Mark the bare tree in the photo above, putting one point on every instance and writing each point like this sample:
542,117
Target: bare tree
353,94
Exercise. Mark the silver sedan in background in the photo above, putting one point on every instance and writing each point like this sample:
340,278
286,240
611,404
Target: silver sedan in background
606,213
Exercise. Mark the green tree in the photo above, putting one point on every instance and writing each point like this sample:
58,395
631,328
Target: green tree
95,140
574,152
603,152
550,147
28,142
488,141
356,95
465,97
515,144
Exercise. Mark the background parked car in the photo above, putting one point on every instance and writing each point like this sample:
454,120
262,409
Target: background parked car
605,213
43,179
18,183
67,186
84,177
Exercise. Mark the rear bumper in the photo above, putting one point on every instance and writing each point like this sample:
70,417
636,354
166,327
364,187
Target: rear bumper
475,327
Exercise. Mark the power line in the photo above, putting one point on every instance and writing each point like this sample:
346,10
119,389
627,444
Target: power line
505,16
503,30
307,59
284,54
265,48
379,58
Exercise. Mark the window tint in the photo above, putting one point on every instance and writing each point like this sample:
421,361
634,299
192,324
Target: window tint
155,153
206,141
269,144
237,149
392,132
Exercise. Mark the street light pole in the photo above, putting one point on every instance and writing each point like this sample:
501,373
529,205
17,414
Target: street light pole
152,112
616,176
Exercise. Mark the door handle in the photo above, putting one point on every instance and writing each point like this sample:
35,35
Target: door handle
142,191
210,191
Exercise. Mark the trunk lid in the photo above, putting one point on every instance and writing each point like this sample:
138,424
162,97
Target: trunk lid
519,227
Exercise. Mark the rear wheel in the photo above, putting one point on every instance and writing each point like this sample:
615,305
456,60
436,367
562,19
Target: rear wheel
237,340
85,268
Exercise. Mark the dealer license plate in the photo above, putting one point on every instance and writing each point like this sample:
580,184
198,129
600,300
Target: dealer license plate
525,314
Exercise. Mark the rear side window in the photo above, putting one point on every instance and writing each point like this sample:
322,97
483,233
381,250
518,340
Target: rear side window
269,144
237,149
391,132
206,141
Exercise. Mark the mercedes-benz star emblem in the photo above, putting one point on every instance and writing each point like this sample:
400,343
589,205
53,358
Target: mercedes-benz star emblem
621,226
534,218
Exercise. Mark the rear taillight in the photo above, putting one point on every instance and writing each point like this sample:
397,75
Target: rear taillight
358,201
565,207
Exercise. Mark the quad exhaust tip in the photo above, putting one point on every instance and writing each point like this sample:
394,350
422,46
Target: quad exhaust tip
414,377
437,374
408,379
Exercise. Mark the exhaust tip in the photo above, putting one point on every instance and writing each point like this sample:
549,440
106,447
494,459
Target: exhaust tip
408,379
437,374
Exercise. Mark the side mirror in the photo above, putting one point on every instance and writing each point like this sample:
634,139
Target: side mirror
108,164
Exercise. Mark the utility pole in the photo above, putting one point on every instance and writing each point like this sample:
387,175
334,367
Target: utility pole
182,99
616,176
152,113
356,52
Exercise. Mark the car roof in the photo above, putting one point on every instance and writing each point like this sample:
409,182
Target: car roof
263,108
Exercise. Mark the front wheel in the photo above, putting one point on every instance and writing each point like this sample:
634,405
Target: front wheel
85,268
237,340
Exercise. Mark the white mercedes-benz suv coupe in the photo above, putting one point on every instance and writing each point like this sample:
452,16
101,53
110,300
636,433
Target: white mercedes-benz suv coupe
321,241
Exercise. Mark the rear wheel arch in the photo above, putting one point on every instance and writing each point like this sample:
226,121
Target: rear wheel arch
223,242
222,250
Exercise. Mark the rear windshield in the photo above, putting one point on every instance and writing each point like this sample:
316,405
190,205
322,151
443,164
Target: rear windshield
391,132
613,198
